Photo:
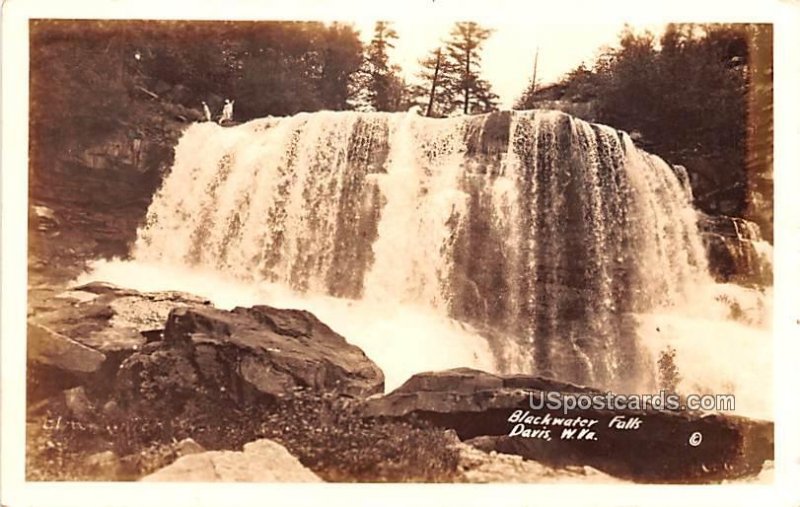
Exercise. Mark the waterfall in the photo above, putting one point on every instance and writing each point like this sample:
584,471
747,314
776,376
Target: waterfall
530,225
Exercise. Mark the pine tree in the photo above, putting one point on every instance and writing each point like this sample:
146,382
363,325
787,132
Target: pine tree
484,100
435,96
451,75
464,50
377,86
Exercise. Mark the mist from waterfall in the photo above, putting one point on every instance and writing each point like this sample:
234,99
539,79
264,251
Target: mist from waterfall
517,242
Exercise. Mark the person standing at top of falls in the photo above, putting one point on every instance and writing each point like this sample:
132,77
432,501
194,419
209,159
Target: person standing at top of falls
227,112
206,111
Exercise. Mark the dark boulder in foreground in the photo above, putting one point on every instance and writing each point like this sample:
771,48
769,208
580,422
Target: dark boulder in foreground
659,448
243,355
166,348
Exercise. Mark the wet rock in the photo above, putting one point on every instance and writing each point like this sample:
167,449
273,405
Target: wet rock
658,448
463,390
736,250
260,461
80,336
243,355
99,288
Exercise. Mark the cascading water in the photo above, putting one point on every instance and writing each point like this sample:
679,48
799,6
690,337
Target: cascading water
544,236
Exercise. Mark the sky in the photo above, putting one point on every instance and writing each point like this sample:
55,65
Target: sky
509,54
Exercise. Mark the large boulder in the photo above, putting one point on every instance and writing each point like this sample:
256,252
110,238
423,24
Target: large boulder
242,356
260,461
80,336
107,318
494,413
49,348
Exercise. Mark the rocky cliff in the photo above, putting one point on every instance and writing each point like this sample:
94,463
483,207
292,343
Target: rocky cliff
89,193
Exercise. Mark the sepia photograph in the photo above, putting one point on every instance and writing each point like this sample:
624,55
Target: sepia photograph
393,250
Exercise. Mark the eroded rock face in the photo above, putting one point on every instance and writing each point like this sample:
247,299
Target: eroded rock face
260,461
736,250
478,406
167,348
50,348
110,319
242,355
81,335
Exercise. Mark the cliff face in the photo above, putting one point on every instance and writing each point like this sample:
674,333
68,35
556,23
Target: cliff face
736,250
88,194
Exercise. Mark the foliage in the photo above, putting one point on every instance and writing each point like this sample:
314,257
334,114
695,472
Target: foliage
464,48
91,79
438,86
668,375
451,75
690,95
327,434
377,85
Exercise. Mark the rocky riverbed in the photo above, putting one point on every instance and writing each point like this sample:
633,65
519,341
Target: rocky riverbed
123,384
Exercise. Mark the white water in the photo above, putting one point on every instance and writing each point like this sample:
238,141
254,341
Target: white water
724,347
402,340
397,230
